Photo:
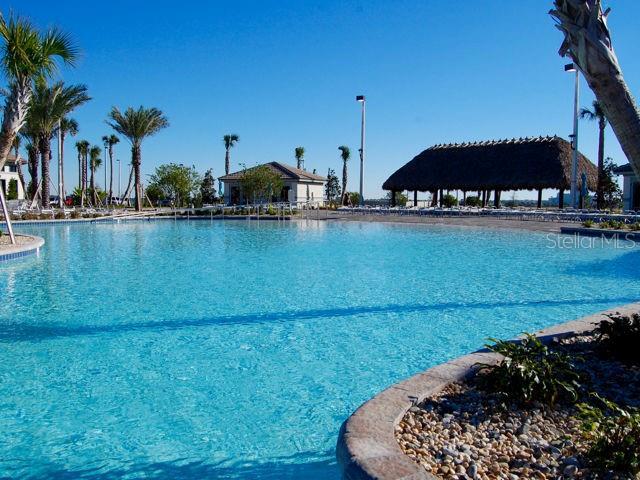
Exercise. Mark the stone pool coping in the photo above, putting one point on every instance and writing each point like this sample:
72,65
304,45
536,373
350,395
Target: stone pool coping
367,448
30,247
602,232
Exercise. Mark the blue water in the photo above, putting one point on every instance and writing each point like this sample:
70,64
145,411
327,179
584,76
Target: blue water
235,350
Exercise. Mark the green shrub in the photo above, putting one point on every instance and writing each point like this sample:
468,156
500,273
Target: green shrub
449,201
614,434
60,216
76,214
634,226
620,336
529,372
473,201
612,224
12,191
587,223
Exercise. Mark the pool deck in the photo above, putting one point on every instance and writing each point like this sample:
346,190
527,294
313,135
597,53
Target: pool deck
367,448
25,245
475,222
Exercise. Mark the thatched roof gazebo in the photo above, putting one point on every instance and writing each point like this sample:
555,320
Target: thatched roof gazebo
517,164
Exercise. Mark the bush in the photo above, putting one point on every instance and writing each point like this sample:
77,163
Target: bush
620,336
615,435
587,223
60,216
473,202
12,191
449,201
76,214
612,224
529,372
634,227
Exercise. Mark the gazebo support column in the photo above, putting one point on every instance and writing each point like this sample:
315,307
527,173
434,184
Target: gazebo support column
434,198
539,198
393,198
415,198
561,199
484,198
464,197
496,201
441,196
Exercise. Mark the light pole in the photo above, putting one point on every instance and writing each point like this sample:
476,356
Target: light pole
571,67
362,100
60,171
119,175
106,165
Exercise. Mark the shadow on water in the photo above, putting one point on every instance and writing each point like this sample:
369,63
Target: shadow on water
624,267
301,466
21,332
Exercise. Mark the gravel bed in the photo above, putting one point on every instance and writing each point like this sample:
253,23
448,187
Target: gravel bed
20,239
463,433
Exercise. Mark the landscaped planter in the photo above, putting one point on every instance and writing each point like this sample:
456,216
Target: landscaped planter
367,446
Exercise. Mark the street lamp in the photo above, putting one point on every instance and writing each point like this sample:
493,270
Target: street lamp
119,175
106,145
362,100
571,67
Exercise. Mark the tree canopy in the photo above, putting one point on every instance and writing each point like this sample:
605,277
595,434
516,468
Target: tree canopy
260,183
178,184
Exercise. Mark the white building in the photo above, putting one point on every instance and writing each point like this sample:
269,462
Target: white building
630,187
10,172
299,185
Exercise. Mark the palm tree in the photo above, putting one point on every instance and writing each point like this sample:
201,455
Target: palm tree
345,154
95,160
110,141
597,113
300,157
229,142
136,125
67,126
49,105
587,41
26,55
16,149
83,151
30,135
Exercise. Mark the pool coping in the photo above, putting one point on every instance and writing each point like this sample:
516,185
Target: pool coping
11,252
142,218
601,232
367,448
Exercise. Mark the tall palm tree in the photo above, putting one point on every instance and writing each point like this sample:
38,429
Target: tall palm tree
26,54
29,134
17,142
110,141
49,105
229,142
136,125
300,157
95,160
587,41
67,126
345,154
597,114
83,152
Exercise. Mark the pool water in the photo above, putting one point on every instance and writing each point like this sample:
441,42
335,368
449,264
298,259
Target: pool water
236,349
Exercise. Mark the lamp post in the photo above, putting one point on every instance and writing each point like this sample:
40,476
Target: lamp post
106,165
119,175
363,102
60,170
571,67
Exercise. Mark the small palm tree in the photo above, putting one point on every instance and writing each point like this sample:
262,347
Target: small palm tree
26,54
597,114
95,160
110,141
83,152
345,154
49,105
136,125
68,126
229,142
300,157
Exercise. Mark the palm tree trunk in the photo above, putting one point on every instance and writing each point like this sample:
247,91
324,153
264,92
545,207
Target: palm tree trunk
15,113
45,157
599,189
227,162
588,42
344,182
62,191
111,173
84,179
19,169
127,192
32,165
136,157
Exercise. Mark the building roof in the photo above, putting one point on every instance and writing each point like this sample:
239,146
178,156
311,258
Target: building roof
286,172
516,164
625,169
12,159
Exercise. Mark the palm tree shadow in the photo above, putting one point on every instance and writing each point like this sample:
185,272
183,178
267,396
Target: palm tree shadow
626,266
29,333
298,466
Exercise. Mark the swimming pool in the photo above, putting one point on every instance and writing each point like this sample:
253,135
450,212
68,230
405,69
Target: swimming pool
235,349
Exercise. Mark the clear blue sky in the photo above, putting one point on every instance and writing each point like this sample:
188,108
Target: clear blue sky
285,73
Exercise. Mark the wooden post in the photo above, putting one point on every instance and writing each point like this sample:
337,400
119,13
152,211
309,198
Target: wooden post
464,197
496,201
561,199
434,198
539,198
393,198
415,198
484,198
441,196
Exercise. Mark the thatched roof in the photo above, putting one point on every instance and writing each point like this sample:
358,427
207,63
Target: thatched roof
286,172
523,164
